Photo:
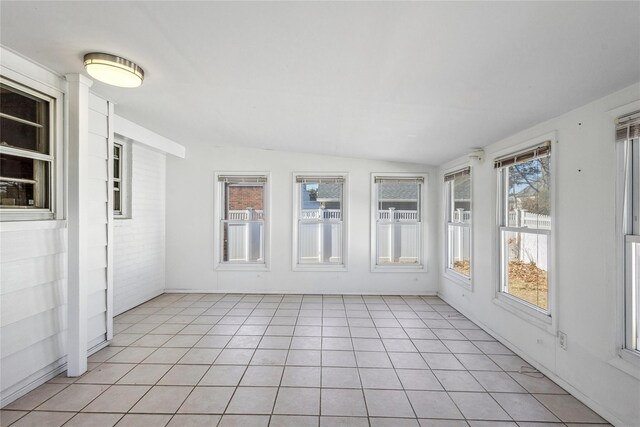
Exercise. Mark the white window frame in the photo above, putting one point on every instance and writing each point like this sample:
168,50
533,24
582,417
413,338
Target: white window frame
55,157
394,268
126,173
217,229
545,319
449,273
295,244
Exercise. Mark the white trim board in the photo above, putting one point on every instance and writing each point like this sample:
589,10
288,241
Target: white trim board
131,131
270,292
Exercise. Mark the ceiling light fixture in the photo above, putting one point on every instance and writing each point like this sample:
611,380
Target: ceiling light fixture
113,70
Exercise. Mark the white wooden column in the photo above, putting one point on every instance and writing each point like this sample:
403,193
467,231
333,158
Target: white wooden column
78,152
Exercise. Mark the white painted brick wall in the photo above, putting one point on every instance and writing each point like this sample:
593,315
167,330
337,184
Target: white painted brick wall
139,241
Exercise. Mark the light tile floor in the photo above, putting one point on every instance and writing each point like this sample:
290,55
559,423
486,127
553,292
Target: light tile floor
299,360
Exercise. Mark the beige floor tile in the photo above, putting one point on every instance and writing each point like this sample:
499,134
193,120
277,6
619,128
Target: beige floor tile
184,375
293,421
422,379
269,357
379,378
569,409
43,419
329,421
338,358
301,376
222,375
298,401
132,355
252,400
340,378
200,356
106,373
118,398
234,357
499,382
152,340
262,376
94,420
388,403
9,417
524,407
537,383
342,402
207,400
145,374
479,406
244,421
162,400
433,404
368,359
35,397
143,420
194,420
73,398
166,355
458,381
303,358
393,422
407,361
105,354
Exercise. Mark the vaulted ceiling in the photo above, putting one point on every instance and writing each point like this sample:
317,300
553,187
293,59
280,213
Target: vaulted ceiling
407,81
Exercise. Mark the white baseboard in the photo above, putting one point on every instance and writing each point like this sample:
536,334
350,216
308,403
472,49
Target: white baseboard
595,406
207,291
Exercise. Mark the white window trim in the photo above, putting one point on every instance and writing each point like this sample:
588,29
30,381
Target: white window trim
217,197
126,175
422,268
295,266
626,360
522,309
56,157
457,278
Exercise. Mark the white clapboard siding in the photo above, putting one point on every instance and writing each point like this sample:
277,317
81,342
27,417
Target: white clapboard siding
97,220
139,242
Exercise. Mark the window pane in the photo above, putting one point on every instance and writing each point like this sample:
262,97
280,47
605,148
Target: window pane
320,242
398,243
527,269
244,202
461,199
24,182
321,201
528,203
242,241
400,200
14,133
320,223
460,249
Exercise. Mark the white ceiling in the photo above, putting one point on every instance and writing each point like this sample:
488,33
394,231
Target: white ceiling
419,82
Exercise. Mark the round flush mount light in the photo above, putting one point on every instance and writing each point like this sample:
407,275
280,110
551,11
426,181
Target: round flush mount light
113,70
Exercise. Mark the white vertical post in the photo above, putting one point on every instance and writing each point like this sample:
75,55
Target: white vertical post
78,137
110,240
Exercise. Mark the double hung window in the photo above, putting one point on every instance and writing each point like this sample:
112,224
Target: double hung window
242,218
26,151
320,220
458,220
524,219
398,221
628,133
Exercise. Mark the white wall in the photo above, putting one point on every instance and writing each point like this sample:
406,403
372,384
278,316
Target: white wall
587,263
190,225
33,272
139,241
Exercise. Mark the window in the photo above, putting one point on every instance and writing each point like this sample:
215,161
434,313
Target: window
524,215
320,231
628,133
27,147
458,220
242,218
117,179
398,221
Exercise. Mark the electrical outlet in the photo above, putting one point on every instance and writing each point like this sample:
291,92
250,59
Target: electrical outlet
562,339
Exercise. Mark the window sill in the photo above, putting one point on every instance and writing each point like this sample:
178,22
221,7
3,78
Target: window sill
628,361
23,215
458,280
25,225
320,267
398,269
536,318
242,267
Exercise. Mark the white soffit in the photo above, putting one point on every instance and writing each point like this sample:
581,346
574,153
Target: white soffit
408,81
129,130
